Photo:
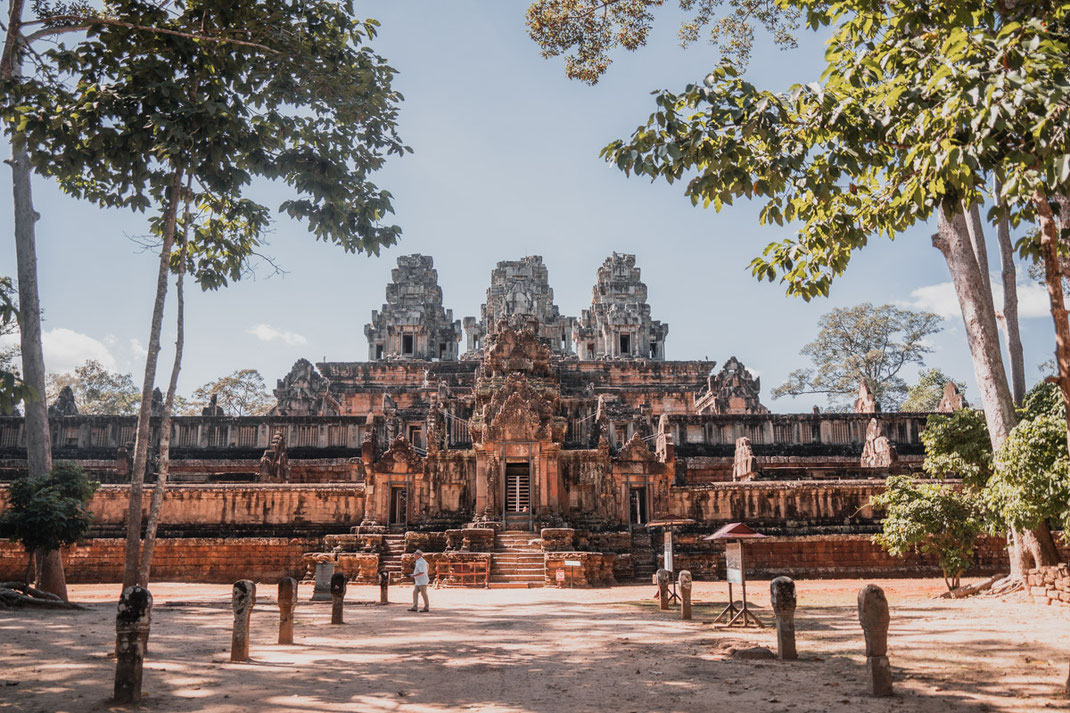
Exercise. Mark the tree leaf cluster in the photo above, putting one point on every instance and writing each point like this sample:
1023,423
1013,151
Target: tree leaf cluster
588,31
863,343
241,393
49,511
97,391
13,390
926,394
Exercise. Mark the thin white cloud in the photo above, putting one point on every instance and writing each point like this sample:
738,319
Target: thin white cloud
940,299
66,349
267,333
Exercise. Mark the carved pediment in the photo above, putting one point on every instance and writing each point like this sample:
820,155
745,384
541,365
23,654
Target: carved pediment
399,453
512,351
636,449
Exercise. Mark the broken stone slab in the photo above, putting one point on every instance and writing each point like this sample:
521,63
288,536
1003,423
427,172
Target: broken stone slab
782,599
321,591
131,635
287,604
243,598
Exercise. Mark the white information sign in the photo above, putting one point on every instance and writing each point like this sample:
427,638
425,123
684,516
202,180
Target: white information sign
668,550
733,557
573,563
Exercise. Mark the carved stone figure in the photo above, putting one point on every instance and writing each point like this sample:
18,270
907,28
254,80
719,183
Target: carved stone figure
338,595
287,604
65,404
684,584
865,402
782,600
952,400
275,463
242,602
874,617
745,465
131,636
878,451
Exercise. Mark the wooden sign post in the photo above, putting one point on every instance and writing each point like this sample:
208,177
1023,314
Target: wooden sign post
732,615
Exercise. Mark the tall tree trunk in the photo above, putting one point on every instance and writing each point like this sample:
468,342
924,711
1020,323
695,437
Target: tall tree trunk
1015,353
160,490
975,227
1053,278
38,437
978,313
144,418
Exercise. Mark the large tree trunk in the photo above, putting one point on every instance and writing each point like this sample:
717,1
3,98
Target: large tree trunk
1015,353
953,240
144,418
168,409
38,437
1053,278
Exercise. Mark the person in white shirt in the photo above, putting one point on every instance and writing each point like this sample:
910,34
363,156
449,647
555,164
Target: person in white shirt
420,580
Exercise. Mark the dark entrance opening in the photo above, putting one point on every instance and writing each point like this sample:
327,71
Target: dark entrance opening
625,344
406,344
399,506
378,351
517,488
637,506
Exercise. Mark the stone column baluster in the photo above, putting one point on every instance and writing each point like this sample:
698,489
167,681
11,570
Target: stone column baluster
242,601
874,617
663,588
684,583
131,634
287,604
384,587
782,599
338,596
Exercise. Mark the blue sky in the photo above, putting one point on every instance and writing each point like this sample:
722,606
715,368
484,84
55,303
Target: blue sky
505,165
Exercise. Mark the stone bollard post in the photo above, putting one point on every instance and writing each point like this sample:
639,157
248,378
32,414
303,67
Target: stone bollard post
321,592
287,603
663,588
384,587
131,634
874,617
242,601
782,599
338,595
684,583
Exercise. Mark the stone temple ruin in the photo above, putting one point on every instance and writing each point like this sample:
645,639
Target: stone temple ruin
549,438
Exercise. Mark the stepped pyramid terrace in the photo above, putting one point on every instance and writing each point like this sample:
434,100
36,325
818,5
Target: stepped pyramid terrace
547,437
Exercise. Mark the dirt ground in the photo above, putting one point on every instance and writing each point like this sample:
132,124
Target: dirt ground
544,651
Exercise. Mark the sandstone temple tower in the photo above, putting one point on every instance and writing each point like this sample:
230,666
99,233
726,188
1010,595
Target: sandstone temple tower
618,323
413,324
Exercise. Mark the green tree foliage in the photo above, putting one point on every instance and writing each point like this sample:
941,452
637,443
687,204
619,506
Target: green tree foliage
958,446
863,343
592,29
97,391
242,393
49,511
1031,483
932,519
926,394
12,388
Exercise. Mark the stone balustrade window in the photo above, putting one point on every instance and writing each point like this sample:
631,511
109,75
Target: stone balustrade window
307,436
337,436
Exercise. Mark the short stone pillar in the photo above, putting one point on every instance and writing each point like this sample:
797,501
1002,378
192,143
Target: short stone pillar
684,583
874,617
782,599
321,592
131,635
663,588
384,587
242,601
338,596
287,604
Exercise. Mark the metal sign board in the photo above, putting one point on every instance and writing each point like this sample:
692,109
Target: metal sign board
560,575
733,556
573,563
668,550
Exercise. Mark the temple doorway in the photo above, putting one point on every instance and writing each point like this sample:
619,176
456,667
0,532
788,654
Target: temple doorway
399,506
518,495
637,506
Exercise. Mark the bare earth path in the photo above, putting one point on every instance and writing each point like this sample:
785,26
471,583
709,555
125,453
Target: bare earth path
541,650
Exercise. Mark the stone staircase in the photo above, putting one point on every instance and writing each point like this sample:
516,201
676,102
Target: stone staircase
390,559
644,557
515,564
